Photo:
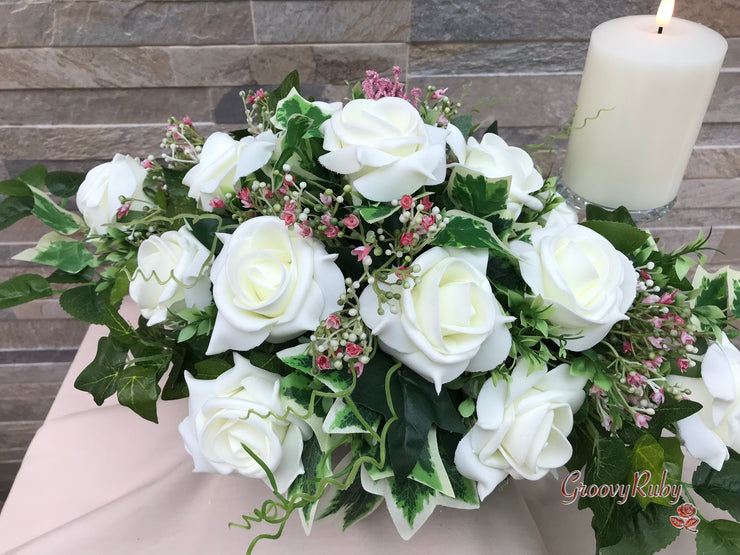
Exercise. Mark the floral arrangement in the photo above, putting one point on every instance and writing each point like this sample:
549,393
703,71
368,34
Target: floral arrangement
367,303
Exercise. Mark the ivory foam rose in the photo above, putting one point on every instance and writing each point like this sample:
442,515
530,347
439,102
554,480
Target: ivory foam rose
270,284
708,433
223,161
523,426
99,195
493,158
384,147
447,323
243,406
589,283
170,274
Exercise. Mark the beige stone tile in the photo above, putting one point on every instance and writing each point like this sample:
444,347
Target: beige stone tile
190,66
41,334
320,21
721,15
50,372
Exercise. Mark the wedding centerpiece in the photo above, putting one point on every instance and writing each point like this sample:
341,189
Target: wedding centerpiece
375,303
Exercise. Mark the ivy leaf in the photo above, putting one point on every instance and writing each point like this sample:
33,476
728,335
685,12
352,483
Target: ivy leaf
212,368
315,467
671,411
721,488
479,195
291,81
100,377
647,456
138,389
60,276
464,123
469,232
63,183
354,502
84,303
624,237
376,212
718,537
646,531
296,104
619,215
69,256
23,289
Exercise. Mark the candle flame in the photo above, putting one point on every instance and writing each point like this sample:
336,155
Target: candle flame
665,11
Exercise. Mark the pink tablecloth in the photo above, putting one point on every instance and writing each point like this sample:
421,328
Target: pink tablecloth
102,480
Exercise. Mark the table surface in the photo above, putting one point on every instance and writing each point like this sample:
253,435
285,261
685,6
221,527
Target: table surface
101,479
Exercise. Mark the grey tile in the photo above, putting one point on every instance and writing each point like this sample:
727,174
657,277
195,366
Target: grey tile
474,20
321,21
40,334
458,58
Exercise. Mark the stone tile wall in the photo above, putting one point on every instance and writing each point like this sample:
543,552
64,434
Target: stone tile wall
81,80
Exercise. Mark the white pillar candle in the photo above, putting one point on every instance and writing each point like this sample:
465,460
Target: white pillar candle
656,88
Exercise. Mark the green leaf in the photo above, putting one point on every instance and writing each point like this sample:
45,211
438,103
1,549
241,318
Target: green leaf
721,488
212,368
13,209
64,183
23,289
410,497
619,215
60,276
138,389
55,217
464,123
464,488
290,82
624,237
34,176
296,129
468,232
14,188
69,256
475,193
100,377
467,407
430,469
85,303
376,212
718,537
671,411
611,464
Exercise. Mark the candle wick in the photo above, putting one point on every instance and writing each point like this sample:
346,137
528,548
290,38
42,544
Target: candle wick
660,30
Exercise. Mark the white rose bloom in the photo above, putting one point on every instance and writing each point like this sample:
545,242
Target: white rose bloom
269,283
589,283
384,147
562,214
170,275
495,159
223,161
522,428
449,322
219,422
98,197
708,433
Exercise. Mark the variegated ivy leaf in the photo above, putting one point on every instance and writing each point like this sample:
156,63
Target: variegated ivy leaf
343,420
294,103
429,469
296,357
721,288
315,467
296,390
410,503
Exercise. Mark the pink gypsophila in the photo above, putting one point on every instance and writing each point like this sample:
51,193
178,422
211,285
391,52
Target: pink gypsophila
642,420
406,202
331,231
683,364
361,252
217,203
322,362
244,196
359,368
351,221
407,239
305,230
332,322
353,350
123,210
